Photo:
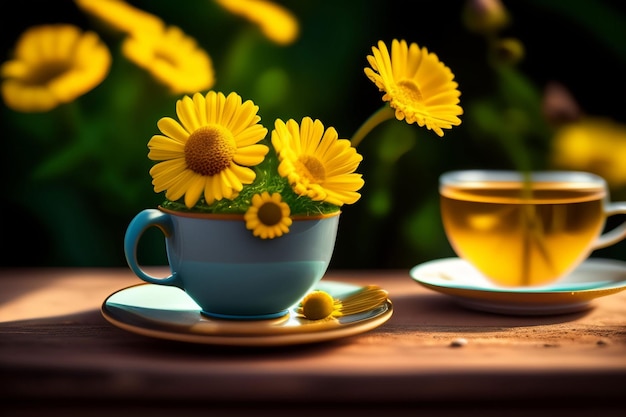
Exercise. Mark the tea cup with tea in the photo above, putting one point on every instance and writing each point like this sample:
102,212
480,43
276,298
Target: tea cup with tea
527,229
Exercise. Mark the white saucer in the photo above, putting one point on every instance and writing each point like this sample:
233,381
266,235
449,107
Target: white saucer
455,277
169,313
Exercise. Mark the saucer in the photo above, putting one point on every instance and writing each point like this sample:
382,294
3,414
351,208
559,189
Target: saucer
169,313
457,278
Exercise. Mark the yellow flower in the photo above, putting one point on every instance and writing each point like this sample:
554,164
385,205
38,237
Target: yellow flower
276,23
268,216
121,16
53,65
208,153
416,84
173,58
592,144
317,163
318,305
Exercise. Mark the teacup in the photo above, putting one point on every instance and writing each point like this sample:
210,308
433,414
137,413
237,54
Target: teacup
527,230
230,273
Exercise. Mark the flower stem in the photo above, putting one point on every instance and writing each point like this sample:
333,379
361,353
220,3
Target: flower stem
381,115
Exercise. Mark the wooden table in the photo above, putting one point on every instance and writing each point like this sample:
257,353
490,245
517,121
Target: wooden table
59,356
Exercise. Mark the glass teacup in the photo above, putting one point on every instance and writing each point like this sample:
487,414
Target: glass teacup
529,230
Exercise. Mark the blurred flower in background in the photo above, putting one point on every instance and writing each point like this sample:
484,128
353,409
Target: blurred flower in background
485,16
165,52
275,22
594,144
121,16
53,65
584,142
83,82
172,58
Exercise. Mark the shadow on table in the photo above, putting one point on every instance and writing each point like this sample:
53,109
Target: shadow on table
439,310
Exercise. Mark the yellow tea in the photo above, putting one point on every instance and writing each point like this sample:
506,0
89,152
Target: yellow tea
520,236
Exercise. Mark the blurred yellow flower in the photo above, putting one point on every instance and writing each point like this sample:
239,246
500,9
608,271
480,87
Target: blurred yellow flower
593,144
274,21
416,84
208,153
53,65
167,53
121,16
316,162
172,58
268,216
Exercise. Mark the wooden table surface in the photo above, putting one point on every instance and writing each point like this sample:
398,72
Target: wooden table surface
59,356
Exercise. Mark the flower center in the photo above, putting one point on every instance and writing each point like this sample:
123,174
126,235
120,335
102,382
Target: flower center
167,58
317,305
210,150
311,168
43,74
269,214
409,91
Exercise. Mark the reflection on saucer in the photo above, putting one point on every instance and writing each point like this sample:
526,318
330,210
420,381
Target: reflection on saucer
457,278
168,313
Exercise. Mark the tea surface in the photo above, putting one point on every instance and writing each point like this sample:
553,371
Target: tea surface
519,237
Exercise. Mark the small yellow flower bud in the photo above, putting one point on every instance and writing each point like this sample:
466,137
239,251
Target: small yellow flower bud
485,16
509,51
317,305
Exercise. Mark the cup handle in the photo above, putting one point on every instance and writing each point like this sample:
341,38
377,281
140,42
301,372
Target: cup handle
616,234
140,223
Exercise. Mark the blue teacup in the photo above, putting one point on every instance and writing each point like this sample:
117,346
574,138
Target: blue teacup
229,272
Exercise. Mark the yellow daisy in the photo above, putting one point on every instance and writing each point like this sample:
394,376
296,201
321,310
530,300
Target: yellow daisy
173,58
275,22
268,216
416,84
208,153
316,162
121,16
53,65
320,305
